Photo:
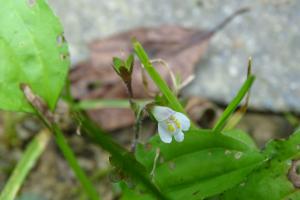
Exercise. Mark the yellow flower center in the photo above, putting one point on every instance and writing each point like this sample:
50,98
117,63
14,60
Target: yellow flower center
173,124
170,126
176,122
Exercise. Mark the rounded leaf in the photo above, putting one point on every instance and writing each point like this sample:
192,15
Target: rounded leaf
32,51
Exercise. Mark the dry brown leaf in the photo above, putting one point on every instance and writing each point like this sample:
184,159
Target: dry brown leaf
95,78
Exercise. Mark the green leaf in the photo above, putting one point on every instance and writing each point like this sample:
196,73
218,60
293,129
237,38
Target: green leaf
241,136
236,117
28,160
129,194
120,157
203,165
123,66
130,62
160,83
284,149
234,104
270,181
292,196
32,51
118,63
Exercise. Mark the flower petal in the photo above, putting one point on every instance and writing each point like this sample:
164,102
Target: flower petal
164,135
162,113
179,136
184,121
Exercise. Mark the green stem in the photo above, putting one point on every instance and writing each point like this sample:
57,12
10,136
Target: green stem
104,103
28,160
72,161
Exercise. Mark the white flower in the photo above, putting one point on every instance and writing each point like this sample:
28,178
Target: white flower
170,123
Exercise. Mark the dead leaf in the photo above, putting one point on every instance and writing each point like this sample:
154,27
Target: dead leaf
95,78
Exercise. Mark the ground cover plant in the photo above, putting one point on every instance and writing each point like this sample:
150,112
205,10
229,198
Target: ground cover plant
181,161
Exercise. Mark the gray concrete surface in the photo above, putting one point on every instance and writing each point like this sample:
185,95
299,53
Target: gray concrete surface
270,34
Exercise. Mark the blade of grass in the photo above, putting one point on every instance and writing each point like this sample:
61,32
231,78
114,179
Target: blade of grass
238,115
160,83
121,158
28,160
73,163
235,119
234,104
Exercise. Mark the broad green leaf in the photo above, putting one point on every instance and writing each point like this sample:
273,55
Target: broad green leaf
284,149
270,181
203,165
129,194
241,136
293,196
195,140
32,51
